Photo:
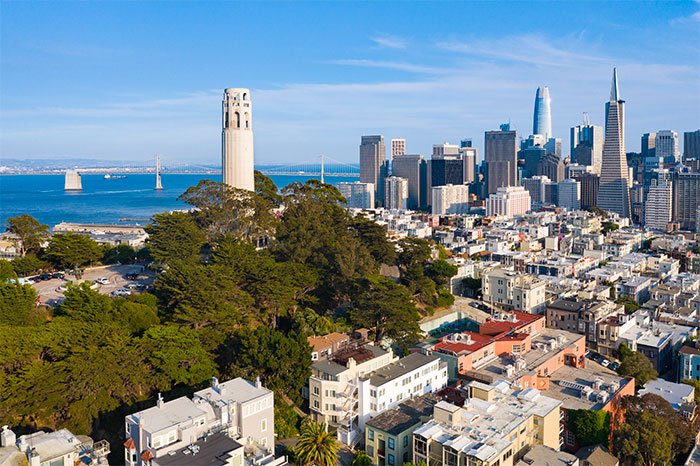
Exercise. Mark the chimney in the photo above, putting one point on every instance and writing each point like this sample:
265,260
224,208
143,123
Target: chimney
215,384
258,384
160,400
7,437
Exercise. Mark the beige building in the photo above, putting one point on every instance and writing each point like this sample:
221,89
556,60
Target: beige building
398,147
396,193
237,139
501,157
496,426
510,290
450,199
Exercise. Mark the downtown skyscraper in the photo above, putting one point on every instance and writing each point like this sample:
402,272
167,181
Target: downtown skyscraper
613,192
542,119
373,166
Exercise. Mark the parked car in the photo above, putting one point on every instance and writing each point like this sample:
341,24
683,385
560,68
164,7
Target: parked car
605,363
614,366
102,281
44,276
588,354
132,286
121,292
131,276
58,275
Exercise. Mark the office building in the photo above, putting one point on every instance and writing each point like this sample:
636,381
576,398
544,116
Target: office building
398,147
552,166
470,155
667,146
396,193
613,192
691,144
240,409
495,425
445,149
686,198
587,145
569,194
536,187
358,195
450,199
373,167
542,119
508,202
501,158
528,159
648,144
237,139
658,207
553,146
589,189
409,168
446,169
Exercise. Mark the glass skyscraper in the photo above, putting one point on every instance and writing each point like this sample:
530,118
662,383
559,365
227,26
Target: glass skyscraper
542,120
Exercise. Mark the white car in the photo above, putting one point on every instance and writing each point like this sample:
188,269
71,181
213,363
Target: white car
121,292
605,363
102,281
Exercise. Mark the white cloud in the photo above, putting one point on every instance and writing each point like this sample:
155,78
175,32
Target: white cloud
390,42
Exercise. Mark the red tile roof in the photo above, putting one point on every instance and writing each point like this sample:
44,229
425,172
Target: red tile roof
130,444
478,342
146,456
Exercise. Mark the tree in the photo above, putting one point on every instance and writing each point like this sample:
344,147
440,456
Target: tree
441,271
360,458
316,446
609,226
28,265
473,285
638,366
29,232
373,237
414,251
70,250
7,272
630,304
176,354
624,351
590,427
173,236
287,421
644,439
388,309
267,189
121,254
283,362
17,304
84,303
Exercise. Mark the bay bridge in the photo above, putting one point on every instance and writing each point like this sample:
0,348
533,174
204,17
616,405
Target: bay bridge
319,166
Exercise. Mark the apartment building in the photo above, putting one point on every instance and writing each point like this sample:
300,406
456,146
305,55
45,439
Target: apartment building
581,316
57,448
690,361
496,426
242,410
388,436
509,290
323,346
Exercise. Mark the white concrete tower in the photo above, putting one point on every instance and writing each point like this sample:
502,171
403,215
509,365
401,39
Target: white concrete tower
237,139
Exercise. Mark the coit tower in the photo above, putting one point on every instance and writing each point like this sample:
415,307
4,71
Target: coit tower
237,139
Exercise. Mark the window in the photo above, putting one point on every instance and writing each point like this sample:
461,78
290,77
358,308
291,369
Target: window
370,434
316,390
390,459
373,393
263,425
570,439
405,440
390,442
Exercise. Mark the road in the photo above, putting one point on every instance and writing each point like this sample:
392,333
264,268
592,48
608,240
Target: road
49,293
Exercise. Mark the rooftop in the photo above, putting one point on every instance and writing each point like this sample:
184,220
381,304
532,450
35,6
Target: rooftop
338,364
675,393
405,415
324,341
597,455
400,368
169,414
540,455
576,387
239,390
211,451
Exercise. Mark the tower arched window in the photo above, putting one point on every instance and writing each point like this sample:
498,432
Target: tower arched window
226,120
247,120
245,96
238,120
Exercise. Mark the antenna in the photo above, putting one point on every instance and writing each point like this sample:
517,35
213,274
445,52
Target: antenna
159,186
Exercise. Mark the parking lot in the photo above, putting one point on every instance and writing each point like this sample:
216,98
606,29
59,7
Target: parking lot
51,291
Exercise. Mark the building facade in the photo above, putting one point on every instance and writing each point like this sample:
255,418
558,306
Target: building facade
398,147
396,193
501,158
569,194
691,144
536,187
409,168
667,146
510,290
587,145
613,192
237,161
686,198
542,119
508,202
450,199
358,195
373,167
658,208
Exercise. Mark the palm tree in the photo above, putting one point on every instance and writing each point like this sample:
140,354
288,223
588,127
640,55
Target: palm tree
316,446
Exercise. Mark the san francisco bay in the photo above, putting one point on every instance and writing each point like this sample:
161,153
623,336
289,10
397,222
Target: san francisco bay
105,200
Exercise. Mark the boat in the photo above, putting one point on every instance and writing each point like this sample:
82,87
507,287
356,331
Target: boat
114,177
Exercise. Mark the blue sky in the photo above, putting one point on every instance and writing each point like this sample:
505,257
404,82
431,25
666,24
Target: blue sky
124,80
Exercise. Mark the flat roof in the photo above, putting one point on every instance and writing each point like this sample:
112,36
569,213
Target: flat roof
213,451
170,414
674,393
239,390
334,368
565,383
52,445
541,455
398,369
405,415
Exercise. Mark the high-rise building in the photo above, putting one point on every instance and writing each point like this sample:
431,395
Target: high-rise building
398,147
686,197
613,192
569,194
553,146
445,149
528,159
587,145
552,167
501,158
358,195
396,193
450,199
470,156
648,144
509,201
373,163
237,139
589,189
542,120
536,187
658,206
691,144
667,146
409,168
446,169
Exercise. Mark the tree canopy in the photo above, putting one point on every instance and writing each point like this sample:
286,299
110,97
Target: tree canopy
29,232
638,366
71,250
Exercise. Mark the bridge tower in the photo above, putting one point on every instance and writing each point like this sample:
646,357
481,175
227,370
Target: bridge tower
237,139
159,186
